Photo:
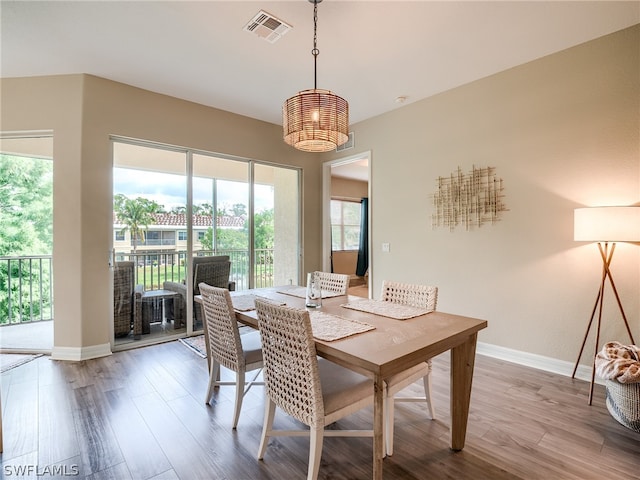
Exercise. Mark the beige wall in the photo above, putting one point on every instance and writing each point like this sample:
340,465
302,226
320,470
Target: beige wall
83,111
562,132
345,261
346,189
56,104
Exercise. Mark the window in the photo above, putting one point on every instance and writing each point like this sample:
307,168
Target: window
345,225
157,237
201,236
119,235
182,236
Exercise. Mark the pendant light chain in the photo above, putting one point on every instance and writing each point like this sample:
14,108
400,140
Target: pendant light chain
315,52
315,120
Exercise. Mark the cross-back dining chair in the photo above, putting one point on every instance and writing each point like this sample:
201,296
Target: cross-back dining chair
312,390
239,353
422,296
333,282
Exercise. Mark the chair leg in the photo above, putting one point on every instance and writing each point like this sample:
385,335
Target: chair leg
315,451
269,414
213,379
389,405
239,397
427,395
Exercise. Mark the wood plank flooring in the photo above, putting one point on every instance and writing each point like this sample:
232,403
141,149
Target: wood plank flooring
139,414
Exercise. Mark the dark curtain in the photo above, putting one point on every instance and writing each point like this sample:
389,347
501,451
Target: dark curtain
331,247
363,250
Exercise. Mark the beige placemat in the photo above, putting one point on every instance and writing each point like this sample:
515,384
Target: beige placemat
245,303
329,327
386,309
302,292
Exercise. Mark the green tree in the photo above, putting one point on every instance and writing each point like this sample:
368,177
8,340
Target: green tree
136,215
26,212
228,239
202,209
232,239
263,229
239,209
26,206
207,239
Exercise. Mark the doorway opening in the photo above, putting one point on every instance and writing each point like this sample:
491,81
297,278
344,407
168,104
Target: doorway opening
346,200
26,245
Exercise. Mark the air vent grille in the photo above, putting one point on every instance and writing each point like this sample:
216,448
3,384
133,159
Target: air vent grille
346,145
267,27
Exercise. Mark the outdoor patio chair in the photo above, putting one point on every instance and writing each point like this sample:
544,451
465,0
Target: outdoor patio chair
312,390
127,300
333,282
422,296
226,347
212,270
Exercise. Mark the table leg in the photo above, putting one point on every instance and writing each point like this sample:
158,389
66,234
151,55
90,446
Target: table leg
378,425
462,361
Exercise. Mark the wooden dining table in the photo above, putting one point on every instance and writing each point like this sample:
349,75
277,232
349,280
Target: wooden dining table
391,347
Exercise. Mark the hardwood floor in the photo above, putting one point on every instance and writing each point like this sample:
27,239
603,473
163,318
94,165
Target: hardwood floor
140,414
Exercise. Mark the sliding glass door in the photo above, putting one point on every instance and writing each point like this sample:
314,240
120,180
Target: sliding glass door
221,212
276,227
149,200
172,204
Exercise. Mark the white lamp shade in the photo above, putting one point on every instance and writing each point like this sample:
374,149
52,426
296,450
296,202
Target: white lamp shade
606,224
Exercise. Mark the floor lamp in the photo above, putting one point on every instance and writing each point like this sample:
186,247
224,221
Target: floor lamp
605,225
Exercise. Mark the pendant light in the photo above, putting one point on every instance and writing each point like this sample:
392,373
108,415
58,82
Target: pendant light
315,120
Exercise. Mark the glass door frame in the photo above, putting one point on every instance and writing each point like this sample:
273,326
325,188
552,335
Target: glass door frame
189,169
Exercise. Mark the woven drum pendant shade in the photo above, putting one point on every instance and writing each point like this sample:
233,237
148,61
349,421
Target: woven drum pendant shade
315,120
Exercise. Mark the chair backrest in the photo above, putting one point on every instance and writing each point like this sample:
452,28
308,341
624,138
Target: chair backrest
333,282
208,259
221,327
123,281
422,296
123,301
291,376
213,271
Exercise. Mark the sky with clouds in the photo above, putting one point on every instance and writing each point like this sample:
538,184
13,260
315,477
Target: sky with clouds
171,190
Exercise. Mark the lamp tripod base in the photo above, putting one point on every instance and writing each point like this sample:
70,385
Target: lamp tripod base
607,255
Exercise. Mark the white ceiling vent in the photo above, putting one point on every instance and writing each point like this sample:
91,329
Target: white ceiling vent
267,26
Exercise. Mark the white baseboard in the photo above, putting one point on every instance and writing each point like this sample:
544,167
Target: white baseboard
76,354
532,360
540,362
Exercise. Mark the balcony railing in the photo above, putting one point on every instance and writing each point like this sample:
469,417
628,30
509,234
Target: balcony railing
26,282
156,241
154,268
26,289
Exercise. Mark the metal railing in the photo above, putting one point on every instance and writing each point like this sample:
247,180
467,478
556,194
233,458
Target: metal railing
26,282
154,268
26,289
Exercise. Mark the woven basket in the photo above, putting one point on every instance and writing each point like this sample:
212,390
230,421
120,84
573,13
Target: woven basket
623,403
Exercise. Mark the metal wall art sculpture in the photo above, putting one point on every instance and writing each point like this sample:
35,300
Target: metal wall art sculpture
468,199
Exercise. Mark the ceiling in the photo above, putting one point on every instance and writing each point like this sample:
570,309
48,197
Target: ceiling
370,52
